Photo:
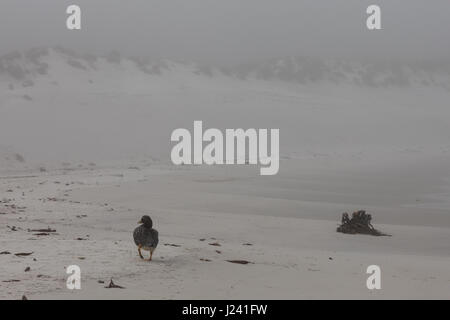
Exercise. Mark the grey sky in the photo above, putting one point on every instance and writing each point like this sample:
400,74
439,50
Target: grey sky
228,31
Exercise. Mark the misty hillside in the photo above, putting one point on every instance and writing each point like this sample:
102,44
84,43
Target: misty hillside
57,106
24,69
306,70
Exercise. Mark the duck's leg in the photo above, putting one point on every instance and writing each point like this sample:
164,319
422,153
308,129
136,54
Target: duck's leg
139,250
151,254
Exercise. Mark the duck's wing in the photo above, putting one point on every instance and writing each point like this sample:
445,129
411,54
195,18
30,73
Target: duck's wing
138,235
155,238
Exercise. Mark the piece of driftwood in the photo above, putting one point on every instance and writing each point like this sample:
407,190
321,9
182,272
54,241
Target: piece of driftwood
240,261
215,244
48,230
359,223
112,285
23,254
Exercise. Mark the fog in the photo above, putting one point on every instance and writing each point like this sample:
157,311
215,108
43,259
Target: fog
88,144
69,106
231,31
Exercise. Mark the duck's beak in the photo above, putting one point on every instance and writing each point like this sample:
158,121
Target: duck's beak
140,222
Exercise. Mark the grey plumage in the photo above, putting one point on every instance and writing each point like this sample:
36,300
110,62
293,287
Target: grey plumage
145,236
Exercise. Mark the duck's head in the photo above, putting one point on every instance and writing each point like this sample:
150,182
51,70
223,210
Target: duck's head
146,221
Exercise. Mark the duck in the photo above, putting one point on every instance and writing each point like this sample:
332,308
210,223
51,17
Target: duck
146,237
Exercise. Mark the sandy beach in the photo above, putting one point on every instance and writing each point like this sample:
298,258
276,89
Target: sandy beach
207,216
85,153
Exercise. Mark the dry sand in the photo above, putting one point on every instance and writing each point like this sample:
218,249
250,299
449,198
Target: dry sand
282,225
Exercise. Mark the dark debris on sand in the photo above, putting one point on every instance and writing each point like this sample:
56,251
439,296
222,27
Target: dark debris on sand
359,223
112,285
23,254
172,245
240,261
215,244
48,230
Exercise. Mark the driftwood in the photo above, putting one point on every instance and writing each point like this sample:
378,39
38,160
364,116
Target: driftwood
112,285
359,223
240,261
48,230
23,254
215,244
